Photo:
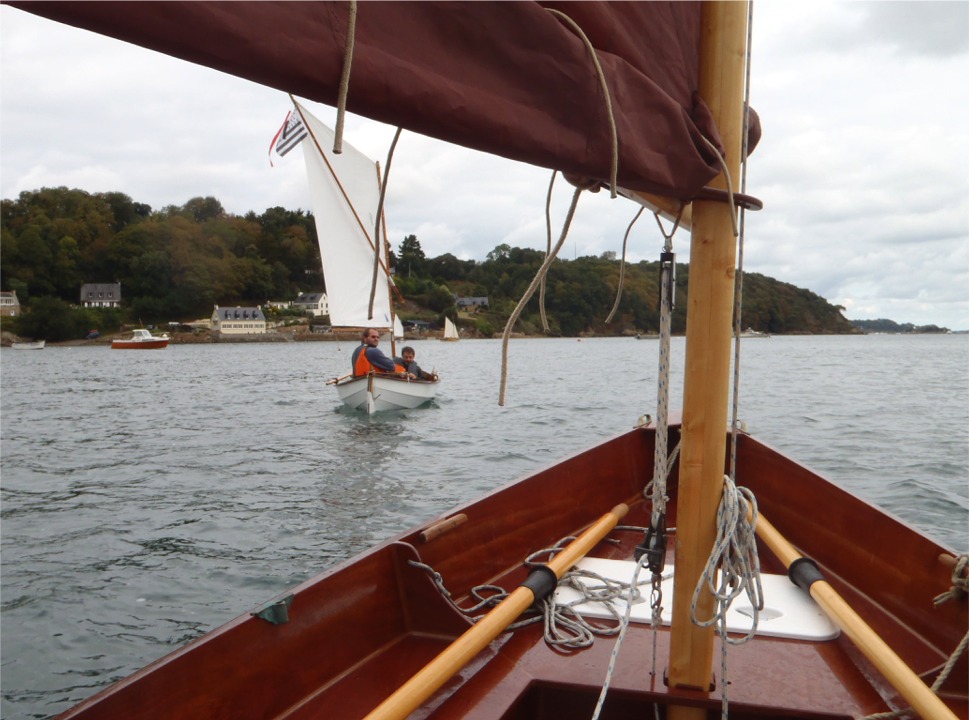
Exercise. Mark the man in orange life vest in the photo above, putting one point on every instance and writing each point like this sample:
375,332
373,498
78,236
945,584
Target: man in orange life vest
369,358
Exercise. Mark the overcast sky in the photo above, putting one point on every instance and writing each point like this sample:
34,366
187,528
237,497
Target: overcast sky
863,167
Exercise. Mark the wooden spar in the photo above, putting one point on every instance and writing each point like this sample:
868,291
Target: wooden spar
707,368
433,675
902,678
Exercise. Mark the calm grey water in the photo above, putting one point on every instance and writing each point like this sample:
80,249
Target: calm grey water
149,497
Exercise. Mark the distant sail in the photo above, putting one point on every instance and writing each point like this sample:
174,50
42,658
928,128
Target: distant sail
450,330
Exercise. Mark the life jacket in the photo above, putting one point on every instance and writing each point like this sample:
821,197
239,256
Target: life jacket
362,365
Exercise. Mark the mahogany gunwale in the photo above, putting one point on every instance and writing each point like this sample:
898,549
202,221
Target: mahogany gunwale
359,629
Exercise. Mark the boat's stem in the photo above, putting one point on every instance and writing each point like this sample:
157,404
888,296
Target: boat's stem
707,367
432,676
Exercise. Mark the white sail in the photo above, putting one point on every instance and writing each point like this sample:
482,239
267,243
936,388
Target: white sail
450,330
398,328
345,221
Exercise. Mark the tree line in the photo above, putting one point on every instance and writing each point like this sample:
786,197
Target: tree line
178,262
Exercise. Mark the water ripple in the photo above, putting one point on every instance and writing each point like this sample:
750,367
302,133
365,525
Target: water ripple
146,500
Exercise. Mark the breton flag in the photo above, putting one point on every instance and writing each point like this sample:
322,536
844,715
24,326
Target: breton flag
288,136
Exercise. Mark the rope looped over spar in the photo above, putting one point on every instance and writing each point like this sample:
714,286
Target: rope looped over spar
565,628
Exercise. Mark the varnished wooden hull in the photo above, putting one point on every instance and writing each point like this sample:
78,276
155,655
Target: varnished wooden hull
359,630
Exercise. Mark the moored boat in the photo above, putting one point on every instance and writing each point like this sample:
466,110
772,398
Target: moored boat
32,345
141,339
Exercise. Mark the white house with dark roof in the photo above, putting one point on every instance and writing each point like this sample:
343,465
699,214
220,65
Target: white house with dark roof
238,321
471,304
101,295
314,304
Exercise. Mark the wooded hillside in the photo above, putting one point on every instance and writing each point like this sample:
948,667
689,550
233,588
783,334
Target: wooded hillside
176,263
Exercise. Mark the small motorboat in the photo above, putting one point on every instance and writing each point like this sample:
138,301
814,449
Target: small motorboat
141,339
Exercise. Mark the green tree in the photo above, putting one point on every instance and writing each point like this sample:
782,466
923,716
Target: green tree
411,257
49,318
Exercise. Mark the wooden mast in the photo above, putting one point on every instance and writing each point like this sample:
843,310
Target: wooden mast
707,370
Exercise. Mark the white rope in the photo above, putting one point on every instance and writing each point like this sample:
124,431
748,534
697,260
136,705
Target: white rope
539,276
564,627
548,248
624,623
607,98
735,554
739,289
622,265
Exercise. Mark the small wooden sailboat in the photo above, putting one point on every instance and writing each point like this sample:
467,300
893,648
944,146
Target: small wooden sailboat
394,632
450,331
141,339
342,643
345,190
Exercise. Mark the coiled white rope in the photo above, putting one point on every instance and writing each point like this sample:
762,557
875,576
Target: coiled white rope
564,627
735,554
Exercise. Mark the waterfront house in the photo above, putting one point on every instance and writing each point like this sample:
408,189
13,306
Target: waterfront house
107,295
314,304
238,321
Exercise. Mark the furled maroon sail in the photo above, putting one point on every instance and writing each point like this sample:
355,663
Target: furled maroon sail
507,78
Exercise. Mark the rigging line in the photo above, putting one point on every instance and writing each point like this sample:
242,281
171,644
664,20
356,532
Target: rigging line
346,197
624,624
735,559
726,175
739,288
662,464
542,271
548,249
341,102
614,169
622,265
376,230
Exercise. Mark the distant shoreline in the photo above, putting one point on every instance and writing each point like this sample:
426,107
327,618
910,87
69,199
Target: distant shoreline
301,337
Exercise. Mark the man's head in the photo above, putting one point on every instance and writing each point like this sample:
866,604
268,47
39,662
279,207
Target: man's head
371,337
408,354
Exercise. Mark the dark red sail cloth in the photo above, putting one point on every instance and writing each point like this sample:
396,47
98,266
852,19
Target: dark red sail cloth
507,78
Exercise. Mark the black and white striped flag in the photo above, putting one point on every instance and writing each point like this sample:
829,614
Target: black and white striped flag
288,136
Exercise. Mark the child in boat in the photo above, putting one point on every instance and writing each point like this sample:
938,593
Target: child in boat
406,359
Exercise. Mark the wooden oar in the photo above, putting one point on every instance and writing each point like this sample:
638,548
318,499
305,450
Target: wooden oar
421,686
902,678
